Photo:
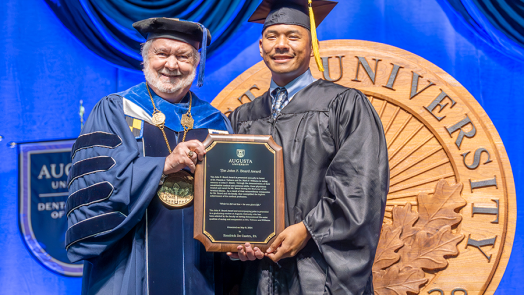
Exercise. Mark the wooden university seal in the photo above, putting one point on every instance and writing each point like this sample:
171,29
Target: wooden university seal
451,210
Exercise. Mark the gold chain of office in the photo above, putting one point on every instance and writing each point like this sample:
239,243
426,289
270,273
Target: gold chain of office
176,189
159,119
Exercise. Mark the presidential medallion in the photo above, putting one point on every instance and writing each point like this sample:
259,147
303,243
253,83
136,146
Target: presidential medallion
158,118
177,189
451,210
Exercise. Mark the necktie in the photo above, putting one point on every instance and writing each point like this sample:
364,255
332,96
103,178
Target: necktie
280,100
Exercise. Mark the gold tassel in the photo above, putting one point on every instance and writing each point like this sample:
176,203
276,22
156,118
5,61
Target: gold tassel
314,39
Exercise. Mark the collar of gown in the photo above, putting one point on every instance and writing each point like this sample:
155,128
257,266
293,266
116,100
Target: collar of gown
294,86
200,110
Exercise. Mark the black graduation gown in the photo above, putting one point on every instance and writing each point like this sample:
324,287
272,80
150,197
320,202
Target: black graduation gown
337,180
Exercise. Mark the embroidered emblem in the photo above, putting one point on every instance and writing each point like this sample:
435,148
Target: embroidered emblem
136,126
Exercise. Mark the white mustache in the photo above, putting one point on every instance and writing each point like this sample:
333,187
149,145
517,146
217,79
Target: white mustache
170,73
171,86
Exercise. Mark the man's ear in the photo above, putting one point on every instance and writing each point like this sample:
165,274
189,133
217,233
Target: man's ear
260,46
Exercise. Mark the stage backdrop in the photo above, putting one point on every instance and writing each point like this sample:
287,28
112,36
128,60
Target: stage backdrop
46,72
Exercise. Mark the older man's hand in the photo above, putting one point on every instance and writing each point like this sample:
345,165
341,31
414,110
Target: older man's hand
185,154
289,242
246,252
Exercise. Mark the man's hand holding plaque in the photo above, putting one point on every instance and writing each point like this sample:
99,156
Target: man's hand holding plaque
185,154
287,244
246,252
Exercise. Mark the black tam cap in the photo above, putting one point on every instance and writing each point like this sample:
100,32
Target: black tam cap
291,12
173,28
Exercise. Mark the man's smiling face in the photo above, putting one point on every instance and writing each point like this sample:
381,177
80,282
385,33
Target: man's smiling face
286,50
170,66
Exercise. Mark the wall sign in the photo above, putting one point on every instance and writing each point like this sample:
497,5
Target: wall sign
44,167
451,210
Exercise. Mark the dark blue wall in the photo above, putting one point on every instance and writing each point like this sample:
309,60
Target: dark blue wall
45,72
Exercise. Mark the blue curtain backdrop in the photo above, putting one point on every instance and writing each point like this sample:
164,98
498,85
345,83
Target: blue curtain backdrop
105,26
500,23
47,69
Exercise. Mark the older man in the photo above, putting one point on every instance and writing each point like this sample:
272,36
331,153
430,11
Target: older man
129,211
335,162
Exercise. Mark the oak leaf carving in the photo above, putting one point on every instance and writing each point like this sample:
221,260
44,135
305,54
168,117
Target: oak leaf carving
404,218
439,210
388,245
394,281
418,241
429,251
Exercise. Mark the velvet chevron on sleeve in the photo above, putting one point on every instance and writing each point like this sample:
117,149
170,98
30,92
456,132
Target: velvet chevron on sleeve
131,178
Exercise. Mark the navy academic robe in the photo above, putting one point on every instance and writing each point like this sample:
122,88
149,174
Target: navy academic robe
129,241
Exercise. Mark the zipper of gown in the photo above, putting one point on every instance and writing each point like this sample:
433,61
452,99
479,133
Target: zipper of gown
271,278
273,123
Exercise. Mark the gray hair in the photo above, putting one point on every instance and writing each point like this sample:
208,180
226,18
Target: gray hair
146,46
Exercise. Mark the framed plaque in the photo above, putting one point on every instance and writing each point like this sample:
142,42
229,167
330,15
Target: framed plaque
239,192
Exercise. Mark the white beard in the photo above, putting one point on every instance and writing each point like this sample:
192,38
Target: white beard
153,79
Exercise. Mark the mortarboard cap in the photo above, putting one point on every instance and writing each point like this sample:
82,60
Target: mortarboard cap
291,12
305,13
192,33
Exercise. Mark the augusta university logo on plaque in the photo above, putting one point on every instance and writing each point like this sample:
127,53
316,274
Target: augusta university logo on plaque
241,153
450,216
44,168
